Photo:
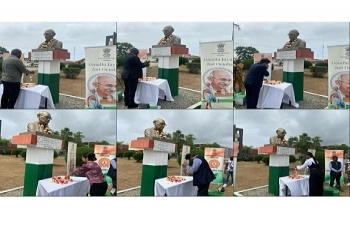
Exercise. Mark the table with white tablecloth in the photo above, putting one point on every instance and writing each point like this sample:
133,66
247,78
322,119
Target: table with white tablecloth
33,97
294,187
78,187
163,187
272,96
148,92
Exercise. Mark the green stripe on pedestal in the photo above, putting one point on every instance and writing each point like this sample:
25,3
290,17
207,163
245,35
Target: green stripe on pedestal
32,174
53,81
275,172
149,174
172,76
297,80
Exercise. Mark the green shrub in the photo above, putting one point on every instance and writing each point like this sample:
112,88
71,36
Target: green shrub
322,64
258,158
23,154
120,59
318,71
120,154
196,60
138,156
80,152
128,154
76,65
71,72
17,151
62,65
193,68
250,158
247,63
292,159
8,151
55,154
266,160
183,61
192,151
307,64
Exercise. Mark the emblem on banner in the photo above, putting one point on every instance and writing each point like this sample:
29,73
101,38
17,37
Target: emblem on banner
220,47
106,52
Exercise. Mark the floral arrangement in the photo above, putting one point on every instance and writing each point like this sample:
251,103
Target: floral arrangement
45,128
290,43
46,44
161,134
164,40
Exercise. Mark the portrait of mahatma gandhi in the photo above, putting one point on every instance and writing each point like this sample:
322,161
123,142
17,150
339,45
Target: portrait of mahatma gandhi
220,81
103,87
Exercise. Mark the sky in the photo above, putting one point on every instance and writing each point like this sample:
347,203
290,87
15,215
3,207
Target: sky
28,36
266,37
205,125
259,125
102,128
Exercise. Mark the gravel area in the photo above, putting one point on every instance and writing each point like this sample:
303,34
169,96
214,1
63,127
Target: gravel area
67,102
131,193
184,100
310,102
14,193
261,192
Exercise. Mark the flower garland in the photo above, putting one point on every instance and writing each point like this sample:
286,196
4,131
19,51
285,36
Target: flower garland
46,44
164,40
290,43
45,128
161,134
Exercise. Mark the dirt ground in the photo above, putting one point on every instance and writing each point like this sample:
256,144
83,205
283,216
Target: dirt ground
75,87
13,170
129,174
249,175
192,81
253,174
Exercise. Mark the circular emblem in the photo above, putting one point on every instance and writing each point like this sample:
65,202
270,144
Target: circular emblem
214,163
103,162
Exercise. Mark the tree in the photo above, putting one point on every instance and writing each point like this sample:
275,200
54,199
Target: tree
316,141
123,47
2,49
189,139
67,136
78,138
245,52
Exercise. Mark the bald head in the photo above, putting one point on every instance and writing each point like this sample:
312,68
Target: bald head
293,34
49,34
168,30
281,132
159,123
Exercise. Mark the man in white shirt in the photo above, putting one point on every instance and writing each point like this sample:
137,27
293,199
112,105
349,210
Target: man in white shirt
335,172
229,171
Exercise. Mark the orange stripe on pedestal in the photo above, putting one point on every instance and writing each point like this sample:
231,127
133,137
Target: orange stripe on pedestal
142,143
268,149
24,139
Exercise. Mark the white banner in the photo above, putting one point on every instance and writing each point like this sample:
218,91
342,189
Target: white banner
71,157
259,56
339,76
185,150
101,77
217,72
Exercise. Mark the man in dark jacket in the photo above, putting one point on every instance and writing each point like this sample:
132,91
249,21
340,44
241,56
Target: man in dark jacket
253,81
12,70
112,173
335,168
132,71
202,174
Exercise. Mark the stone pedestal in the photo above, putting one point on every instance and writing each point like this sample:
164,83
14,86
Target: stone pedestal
293,68
155,161
278,164
49,68
39,157
168,64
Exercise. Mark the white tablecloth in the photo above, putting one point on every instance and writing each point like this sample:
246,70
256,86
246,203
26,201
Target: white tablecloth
33,97
184,188
272,96
148,92
78,187
297,187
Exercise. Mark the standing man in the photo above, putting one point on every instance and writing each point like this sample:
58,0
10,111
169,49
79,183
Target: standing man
202,174
132,71
229,171
254,80
335,172
12,70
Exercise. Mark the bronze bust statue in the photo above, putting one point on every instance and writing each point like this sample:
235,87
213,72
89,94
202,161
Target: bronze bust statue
169,39
279,138
50,42
294,42
42,125
157,130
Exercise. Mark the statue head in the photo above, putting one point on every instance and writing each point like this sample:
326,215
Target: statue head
16,52
168,30
44,117
220,79
281,132
159,123
293,34
105,85
49,34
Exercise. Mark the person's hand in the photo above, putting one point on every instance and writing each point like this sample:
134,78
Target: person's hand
184,165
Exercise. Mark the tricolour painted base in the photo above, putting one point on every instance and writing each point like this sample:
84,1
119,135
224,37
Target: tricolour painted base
32,174
274,174
53,82
172,76
297,80
149,174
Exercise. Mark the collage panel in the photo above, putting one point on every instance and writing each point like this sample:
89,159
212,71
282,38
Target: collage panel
175,153
173,65
58,153
292,153
58,65
298,65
